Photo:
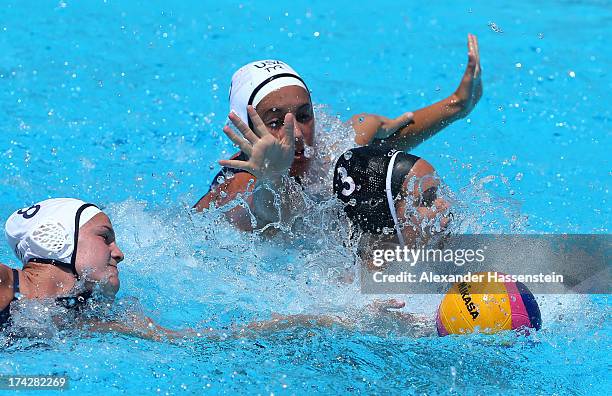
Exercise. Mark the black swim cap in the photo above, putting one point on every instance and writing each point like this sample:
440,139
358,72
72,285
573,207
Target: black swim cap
360,180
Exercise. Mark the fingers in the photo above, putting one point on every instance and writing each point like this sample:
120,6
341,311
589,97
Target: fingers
478,68
289,129
385,305
390,126
260,127
473,66
404,120
473,47
244,145
472,44
471,52
236,164
469,44
395,304
243,128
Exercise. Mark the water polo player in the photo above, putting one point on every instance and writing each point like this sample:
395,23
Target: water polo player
390,194
67,248
272,108
69,257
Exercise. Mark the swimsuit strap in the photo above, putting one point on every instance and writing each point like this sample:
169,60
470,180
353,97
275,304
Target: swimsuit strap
15,283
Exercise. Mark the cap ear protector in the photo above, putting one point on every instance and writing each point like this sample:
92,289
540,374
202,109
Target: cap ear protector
48,232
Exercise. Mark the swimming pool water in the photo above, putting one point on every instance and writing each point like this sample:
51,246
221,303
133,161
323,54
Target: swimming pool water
122,104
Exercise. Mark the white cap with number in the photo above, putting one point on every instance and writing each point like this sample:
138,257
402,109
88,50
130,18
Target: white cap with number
48,230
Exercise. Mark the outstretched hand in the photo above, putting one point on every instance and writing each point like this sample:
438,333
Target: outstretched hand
470,89
391,310
269,157
383,306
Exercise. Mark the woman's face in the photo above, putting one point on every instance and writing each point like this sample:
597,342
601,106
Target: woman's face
97,254
295,100
422,209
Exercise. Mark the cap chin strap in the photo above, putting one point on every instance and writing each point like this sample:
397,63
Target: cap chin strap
390,200
77,223
57,263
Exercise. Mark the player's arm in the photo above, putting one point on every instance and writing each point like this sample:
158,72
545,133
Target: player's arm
410,129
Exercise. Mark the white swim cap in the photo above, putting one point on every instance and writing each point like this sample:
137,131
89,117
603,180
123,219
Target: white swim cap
48,231
252,82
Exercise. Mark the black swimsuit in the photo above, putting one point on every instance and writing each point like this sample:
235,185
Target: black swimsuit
5,314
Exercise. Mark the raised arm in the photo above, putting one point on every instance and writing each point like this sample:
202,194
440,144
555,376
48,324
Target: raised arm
270,196
411,129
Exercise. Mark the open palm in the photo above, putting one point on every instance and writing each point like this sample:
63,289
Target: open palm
270,157
470,89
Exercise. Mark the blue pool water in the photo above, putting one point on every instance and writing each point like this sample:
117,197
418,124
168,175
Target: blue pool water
122,104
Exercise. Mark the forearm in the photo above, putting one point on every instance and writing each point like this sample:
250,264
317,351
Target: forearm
410,129
112,326
275,201
146,329
426,122
284,322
